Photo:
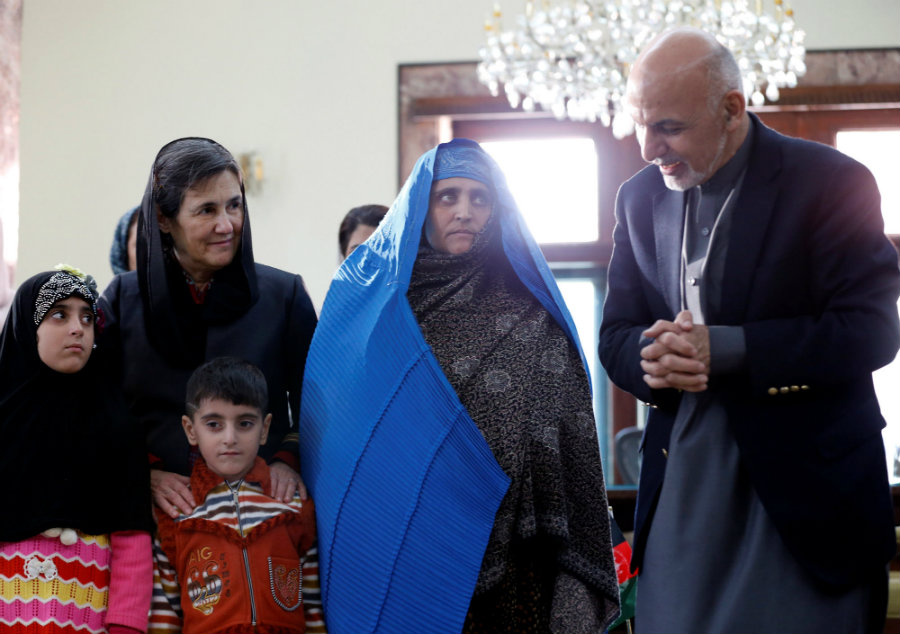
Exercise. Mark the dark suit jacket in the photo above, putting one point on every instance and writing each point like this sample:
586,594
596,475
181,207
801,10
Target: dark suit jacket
813,281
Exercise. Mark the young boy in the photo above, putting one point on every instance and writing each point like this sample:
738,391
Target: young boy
241,559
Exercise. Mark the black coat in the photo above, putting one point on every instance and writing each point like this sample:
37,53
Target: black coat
274,334
813,281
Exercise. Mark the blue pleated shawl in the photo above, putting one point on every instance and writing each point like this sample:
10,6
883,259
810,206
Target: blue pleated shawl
405,486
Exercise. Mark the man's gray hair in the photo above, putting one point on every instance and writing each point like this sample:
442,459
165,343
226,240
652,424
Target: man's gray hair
724,75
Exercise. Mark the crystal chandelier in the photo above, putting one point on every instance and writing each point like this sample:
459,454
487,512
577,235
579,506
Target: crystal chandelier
572,57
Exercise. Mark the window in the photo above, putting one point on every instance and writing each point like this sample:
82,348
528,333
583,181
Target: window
554,182
886,381
583,292
877,150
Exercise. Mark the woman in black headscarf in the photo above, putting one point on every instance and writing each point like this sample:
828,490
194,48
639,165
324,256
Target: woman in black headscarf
75,498
198,294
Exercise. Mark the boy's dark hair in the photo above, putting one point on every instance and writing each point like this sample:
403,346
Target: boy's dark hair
229,379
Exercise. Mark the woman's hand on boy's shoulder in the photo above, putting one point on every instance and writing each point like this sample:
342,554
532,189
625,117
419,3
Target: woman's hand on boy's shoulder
171,492
285,482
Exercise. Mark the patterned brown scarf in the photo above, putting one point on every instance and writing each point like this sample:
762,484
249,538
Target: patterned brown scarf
523,383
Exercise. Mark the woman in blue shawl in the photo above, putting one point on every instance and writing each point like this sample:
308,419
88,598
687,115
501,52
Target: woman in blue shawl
447,434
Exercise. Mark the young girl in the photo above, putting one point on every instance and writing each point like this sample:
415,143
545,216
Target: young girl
74,542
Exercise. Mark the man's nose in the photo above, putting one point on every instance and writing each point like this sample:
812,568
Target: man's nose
652,145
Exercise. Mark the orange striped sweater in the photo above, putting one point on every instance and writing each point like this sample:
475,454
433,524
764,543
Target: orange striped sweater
240,560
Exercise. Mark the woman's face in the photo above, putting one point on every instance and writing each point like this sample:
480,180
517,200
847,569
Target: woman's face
359,235
459,209
207,228
65,336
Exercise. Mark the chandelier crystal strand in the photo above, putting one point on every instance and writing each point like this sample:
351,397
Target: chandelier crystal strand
572,57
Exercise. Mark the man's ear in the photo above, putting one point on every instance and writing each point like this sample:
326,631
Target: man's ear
188,425
265,429
735,105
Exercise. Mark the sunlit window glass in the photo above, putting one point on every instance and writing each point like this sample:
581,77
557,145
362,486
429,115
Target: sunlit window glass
554,182
877,150
579,295
886,381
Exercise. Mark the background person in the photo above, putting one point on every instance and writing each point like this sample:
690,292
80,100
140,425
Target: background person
198,294
74,541
356,227
123,251
752,293
451,444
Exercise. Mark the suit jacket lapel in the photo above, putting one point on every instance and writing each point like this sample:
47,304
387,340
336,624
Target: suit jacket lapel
750,221
668,225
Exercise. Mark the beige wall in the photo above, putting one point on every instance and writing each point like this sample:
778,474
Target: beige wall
309,85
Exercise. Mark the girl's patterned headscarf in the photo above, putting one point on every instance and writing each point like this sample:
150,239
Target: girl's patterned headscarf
67,282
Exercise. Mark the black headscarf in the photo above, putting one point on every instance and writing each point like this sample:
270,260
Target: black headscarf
175,324
69,456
